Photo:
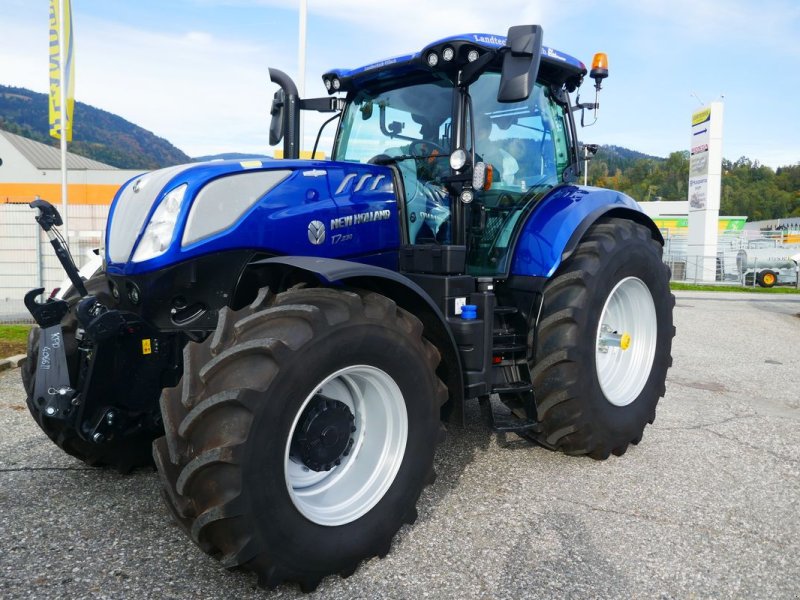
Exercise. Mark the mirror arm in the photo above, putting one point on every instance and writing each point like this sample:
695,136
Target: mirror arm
585,105
323,105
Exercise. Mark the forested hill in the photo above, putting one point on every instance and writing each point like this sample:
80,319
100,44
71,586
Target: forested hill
748,187
98,134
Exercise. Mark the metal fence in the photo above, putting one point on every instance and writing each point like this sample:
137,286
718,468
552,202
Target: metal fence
27,259
732,264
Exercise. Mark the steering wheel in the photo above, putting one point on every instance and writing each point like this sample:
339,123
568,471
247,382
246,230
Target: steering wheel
425,155
421,149
380,159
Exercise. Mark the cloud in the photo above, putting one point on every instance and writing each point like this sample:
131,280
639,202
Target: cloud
202,82
736,23
406,25
203,93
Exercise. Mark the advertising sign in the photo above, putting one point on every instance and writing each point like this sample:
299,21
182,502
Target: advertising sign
703,191
698,160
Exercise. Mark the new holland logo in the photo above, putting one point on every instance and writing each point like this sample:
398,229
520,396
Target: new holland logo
316,232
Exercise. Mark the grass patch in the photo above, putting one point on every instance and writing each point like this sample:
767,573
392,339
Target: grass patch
14,333
732,288
13,339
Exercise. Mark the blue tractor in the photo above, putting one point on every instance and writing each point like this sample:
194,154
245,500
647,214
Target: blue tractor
291,337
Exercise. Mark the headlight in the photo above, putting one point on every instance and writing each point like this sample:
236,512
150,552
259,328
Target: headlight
158,234
458,158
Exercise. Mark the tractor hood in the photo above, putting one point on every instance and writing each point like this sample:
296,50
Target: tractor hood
271,206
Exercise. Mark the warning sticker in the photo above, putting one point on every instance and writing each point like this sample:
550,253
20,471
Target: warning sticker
146,346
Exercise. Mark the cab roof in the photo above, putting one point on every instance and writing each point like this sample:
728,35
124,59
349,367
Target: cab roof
555,67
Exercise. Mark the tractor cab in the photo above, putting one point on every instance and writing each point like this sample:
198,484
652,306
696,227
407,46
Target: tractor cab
476,128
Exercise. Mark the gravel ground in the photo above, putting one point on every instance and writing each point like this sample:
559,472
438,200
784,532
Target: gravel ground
705,506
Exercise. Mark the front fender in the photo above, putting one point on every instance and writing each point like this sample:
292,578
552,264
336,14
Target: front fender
406,293
558,222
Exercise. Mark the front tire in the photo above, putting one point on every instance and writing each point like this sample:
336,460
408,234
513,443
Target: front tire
604,341
302,433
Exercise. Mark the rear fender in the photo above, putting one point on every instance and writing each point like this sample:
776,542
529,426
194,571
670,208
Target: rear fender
557,223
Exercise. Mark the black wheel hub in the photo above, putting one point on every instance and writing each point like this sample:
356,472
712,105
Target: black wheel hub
324,434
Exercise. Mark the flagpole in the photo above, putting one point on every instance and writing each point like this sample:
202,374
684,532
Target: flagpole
301,60
62,65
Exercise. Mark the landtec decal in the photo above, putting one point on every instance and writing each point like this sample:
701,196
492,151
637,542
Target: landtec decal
494,40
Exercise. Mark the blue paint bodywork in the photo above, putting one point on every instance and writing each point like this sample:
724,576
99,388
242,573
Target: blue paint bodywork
277,223
550,226
333,192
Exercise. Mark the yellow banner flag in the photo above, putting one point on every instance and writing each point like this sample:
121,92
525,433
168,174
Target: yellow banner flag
57,78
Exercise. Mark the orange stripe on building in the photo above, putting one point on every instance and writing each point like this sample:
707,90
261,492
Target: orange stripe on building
77,193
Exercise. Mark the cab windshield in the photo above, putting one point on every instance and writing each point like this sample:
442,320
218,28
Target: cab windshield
411,127
526,144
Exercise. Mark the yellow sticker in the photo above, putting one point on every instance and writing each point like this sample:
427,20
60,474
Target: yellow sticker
250,164
146,347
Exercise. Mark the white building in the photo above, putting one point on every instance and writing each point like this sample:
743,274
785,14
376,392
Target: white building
29,169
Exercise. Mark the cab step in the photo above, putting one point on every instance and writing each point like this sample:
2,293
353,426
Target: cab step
500,349
514,387
507,422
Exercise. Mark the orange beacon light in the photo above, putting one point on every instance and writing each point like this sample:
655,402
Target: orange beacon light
599,68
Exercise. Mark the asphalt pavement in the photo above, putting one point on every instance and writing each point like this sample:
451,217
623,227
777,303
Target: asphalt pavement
708,505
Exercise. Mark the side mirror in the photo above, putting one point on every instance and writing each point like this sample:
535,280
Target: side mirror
520,63
276,124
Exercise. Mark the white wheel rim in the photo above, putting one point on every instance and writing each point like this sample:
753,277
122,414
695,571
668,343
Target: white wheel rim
351,489
630,310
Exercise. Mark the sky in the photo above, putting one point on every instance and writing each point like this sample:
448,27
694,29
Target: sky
195,71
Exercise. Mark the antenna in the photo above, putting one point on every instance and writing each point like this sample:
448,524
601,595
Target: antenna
696,97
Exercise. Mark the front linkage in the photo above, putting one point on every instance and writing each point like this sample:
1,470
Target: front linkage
98,371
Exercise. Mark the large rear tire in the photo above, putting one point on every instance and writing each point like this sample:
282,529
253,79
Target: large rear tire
123,454
604,341
302,433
